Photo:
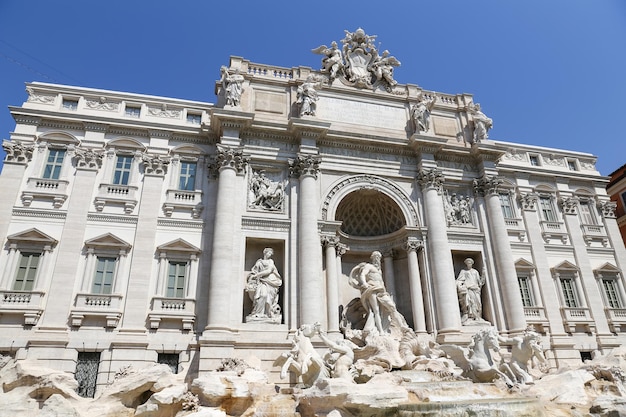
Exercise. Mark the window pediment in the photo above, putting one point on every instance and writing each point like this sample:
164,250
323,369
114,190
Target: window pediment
33,237
179,246
108,241
522,263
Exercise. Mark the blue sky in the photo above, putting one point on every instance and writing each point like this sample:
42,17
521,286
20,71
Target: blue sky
549,73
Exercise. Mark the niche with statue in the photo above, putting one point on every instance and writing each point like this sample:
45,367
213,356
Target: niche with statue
263,287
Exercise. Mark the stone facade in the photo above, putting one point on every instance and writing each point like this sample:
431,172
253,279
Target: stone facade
131,223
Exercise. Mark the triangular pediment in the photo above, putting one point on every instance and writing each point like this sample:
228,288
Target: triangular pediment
108,241
178,245
522,263
607,267
32,236
565,266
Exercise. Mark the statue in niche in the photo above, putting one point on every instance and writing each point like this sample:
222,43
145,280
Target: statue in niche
482,123
469,286
457,209
306,96
420,113
367,277
232,85
262,286
265,193
332,63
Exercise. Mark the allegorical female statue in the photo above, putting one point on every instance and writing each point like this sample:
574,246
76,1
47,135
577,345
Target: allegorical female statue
262,286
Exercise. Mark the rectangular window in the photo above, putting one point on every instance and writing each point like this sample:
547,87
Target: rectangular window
194,119
169,359
586,213
547,209
69,104
176,277
525,290
121,176
187,179
507,206
534,160
571,165
26,272
132,111
612,295
568,286
86,374
103,278
52,170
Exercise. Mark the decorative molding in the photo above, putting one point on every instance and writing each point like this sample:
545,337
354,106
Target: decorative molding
111,218
179,223
17,153
273,224
44,214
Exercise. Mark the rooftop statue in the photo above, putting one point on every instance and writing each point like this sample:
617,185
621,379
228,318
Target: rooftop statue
420,113
358,63
306,96
482,123
232,85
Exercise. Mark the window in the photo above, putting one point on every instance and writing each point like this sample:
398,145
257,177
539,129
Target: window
176,279
169,359
547,209
70,104
507,205
86,374
586,212
52,170
571,165
194,119
611,292
534,160
104,275
121,176
568,287
525,290
132,111
187,179
26,271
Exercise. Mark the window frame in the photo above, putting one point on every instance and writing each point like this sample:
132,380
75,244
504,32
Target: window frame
52,169
132,111
177,284
107,273
127,169
547,208
183,174
24,286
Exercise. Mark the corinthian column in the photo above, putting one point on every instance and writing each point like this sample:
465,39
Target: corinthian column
332,286
487,186
444,289
415,285
311,297
228,162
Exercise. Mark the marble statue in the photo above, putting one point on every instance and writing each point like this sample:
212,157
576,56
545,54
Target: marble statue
303,359
420,113
265,193
523,349
482,123
232,85
340,356
457,209
332,63
476,360
262,286
382,69
306,96
469,285
381,310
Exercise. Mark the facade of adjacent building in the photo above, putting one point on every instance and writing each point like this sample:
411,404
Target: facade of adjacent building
130,223
617,191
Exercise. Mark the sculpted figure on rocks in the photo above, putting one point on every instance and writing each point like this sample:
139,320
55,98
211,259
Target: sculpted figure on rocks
303,359
523,349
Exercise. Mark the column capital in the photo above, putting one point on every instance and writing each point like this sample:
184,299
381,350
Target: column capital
329,240
487,185
88,159
228,157
17,152
155,165
528,200
569,205
607,208
413,245
341,249
305,165
431,179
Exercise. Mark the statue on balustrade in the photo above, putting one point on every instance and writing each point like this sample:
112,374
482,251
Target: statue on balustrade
482,123
469,284
306,96
263,286
232,85
420,113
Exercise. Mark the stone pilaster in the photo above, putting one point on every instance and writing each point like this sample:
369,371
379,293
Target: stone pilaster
444,289
332,284
415,285
487,186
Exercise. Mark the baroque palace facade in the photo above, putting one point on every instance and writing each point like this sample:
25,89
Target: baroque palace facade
134,227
